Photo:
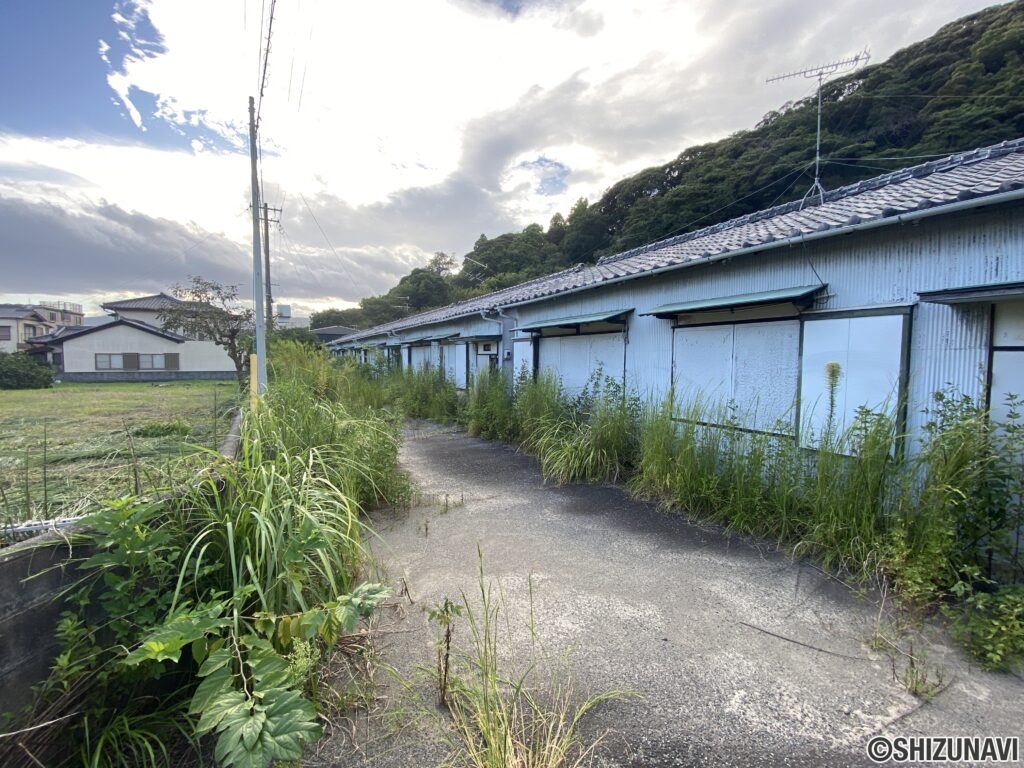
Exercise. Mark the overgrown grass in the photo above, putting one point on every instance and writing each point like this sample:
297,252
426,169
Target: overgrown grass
863,502
187,615
61,448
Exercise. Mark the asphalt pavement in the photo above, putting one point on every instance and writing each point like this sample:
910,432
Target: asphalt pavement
735,654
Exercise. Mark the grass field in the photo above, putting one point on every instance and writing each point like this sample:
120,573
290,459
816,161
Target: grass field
61,447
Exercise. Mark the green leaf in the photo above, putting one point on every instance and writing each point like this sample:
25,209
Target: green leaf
252,729
211,686
220,706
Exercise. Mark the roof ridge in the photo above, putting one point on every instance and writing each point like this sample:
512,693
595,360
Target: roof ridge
928,168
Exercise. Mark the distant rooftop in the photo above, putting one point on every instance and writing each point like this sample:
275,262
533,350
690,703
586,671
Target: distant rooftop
155,303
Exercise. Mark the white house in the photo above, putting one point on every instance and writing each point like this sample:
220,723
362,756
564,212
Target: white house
19,324
133,347
911,282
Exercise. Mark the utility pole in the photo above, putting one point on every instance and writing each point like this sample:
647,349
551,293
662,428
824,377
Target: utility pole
825,70
260,373
266,261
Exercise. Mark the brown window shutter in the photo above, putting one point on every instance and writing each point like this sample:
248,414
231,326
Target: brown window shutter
131,361
171,361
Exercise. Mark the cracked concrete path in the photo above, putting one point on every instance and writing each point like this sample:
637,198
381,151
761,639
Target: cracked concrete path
738,655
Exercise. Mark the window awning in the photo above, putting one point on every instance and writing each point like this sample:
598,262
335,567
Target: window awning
801,297
569,322
974,293
434,337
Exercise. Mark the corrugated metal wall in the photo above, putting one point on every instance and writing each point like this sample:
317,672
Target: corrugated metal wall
868,271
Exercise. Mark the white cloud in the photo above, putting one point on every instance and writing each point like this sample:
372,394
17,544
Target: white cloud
410,126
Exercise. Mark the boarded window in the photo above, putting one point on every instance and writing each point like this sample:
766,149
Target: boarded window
131,361
5,333
171,361
1007,357
869,354
576,358
744,372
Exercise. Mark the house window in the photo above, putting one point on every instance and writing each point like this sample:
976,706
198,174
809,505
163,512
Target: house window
5,333
30,331
109,362
867,353
53,315
151,362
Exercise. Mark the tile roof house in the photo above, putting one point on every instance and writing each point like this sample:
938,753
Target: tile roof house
132,346
19,323
910,280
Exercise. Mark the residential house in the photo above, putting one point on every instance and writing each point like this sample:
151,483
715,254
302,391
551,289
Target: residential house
61,312
133,347
20,323
911,282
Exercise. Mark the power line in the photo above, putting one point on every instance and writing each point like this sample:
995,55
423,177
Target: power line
326,239
686,227
266,59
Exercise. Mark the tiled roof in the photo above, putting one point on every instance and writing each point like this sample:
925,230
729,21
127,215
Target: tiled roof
65,333
155,303
969,176
18,311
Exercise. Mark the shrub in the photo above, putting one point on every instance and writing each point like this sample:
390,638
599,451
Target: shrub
193,600
490,407
19,370
992,627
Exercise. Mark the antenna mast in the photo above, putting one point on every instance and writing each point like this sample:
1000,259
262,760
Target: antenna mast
822,72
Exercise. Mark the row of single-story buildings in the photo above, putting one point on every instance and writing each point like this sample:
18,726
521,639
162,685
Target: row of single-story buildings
912,282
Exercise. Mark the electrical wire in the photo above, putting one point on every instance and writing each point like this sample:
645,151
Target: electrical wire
327,240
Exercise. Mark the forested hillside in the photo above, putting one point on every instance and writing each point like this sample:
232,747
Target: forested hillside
960,89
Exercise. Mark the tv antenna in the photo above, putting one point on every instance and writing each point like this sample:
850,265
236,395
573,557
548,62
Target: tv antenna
822,72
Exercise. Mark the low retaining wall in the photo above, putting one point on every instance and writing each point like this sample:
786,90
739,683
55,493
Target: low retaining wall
33,573
100,376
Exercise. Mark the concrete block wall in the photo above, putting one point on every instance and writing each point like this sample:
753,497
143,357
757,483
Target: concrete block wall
33,573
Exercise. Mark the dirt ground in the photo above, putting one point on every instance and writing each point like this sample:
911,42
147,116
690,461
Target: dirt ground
737,655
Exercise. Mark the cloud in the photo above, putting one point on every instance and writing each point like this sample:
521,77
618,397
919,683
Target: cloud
391,130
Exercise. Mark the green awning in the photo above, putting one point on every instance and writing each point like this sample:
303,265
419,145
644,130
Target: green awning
801,297
974,293
435,337
569,322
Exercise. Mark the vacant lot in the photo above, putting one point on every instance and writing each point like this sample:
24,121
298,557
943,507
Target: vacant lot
62,446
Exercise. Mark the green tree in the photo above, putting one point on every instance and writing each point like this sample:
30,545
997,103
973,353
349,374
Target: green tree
349,317
210,310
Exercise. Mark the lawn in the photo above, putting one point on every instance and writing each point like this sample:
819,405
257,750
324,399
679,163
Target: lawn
63,446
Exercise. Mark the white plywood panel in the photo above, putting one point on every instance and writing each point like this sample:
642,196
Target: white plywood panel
420,357
766,366
1008,326
1007,378
447,357
460,365
574,359
522,356
702,361
868,351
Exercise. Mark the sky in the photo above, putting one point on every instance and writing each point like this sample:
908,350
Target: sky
388,129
